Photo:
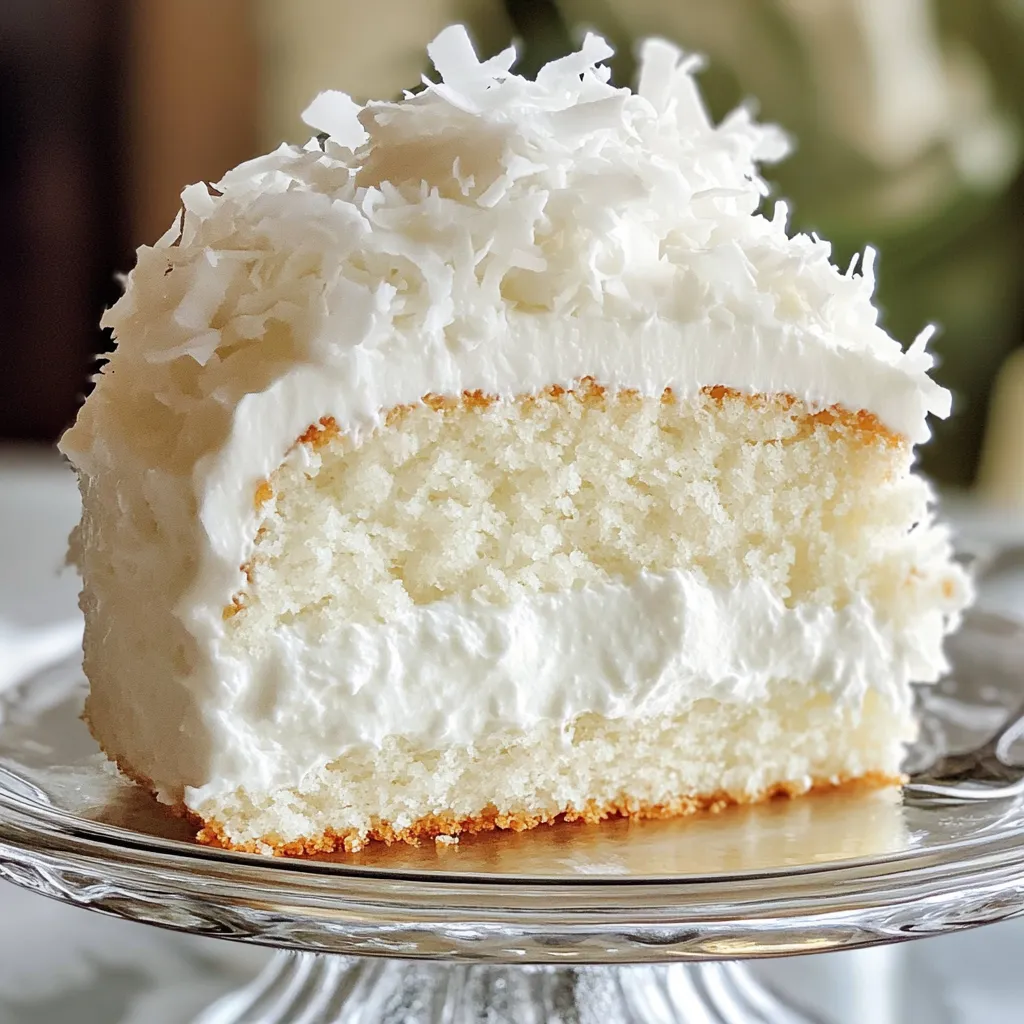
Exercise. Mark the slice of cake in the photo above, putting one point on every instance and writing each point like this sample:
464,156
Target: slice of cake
491,458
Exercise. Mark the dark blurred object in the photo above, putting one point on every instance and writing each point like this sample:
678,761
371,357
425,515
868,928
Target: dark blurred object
542,33
107,109
61,224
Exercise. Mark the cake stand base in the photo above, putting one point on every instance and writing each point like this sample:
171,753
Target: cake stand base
305,988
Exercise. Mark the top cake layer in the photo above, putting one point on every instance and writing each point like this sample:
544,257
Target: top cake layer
487,233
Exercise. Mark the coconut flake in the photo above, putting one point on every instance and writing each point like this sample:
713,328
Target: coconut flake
917,356
658,62
337,114
464,78
170,236
455,60
563,73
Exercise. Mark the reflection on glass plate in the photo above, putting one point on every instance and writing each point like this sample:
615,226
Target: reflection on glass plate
824,871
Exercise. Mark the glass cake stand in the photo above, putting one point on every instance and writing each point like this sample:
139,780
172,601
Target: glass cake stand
571,923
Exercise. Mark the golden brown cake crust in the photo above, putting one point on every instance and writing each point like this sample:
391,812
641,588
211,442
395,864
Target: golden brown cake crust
211,833
860,422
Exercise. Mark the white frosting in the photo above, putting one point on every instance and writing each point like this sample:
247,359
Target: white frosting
487,233
454,671
498,233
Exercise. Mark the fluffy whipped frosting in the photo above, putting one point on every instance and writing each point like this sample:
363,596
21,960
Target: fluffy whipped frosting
496,233
450,673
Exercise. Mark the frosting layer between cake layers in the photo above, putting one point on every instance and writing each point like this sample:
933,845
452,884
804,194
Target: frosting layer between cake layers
454,673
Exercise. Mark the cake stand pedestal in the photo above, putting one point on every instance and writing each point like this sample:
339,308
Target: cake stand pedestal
309,988
567,924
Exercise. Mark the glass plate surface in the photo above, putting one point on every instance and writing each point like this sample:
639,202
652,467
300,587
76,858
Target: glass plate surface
823,872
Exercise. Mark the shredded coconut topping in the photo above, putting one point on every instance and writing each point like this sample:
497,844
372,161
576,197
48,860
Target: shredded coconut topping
434,221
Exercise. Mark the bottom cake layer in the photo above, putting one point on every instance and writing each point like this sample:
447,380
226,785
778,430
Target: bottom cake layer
709,755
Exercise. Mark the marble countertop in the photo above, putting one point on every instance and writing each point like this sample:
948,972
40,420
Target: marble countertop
59,964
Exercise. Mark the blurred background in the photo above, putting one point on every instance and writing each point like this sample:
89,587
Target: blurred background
909,115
